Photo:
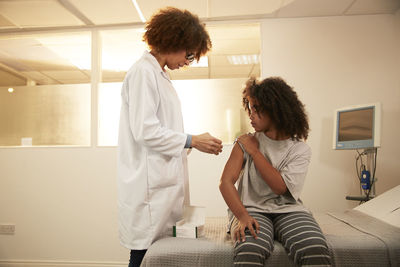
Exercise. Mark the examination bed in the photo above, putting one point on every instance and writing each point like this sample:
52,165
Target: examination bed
354,239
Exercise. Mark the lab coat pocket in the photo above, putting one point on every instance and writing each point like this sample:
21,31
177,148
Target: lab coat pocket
163,170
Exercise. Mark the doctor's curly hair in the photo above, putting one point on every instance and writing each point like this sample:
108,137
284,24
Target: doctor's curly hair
274,97
173,30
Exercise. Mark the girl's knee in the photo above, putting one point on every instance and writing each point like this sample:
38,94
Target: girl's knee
251,252
313,255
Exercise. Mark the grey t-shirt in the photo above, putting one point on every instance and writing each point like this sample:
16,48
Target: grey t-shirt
291,158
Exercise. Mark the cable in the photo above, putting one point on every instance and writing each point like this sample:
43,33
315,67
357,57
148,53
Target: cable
359,157
362,167
359,173
373,175
359,170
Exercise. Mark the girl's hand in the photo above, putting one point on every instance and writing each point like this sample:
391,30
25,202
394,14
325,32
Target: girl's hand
249,142
249,223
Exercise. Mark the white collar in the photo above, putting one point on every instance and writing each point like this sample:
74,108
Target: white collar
155,63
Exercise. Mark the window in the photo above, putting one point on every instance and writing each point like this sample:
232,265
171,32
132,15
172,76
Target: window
120,49
47,115
45,59
46,96
45,89
213,105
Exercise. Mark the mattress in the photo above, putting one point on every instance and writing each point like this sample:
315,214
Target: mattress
354,239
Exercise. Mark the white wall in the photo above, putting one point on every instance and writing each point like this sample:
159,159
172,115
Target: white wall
63,203
334,62
63,200
397,27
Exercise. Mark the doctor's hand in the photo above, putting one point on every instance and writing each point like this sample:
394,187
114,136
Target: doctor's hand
243,225
207,143
249,142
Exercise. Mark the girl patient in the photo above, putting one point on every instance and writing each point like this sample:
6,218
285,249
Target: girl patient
270,166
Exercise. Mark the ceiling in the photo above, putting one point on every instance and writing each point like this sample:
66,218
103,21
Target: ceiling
30,52
23,14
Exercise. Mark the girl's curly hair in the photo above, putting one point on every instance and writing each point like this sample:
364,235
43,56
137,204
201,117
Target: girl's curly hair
274,97
172,30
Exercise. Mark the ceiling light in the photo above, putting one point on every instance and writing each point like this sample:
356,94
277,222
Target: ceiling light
244,59
139,11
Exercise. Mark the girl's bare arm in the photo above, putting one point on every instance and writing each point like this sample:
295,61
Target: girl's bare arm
231,196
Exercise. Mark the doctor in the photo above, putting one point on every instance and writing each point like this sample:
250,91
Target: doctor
152,167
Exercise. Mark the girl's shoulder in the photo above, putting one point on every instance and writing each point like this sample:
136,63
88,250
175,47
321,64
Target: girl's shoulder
287,146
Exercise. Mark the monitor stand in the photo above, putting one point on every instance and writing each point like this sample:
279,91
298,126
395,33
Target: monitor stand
371,165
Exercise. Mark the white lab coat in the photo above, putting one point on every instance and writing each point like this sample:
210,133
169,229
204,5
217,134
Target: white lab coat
152,166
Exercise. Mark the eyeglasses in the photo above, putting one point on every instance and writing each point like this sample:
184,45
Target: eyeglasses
189,57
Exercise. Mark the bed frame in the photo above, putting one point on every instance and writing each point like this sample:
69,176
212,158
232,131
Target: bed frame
354,239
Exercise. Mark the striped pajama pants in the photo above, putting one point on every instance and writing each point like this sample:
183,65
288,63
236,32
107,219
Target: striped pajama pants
298,232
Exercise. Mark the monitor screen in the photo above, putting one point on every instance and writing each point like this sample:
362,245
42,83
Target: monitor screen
356,124
357,127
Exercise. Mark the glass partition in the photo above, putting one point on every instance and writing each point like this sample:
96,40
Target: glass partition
208,105
45,89
108,110
120,49
46,115
210,91
46,95
61,58
235,53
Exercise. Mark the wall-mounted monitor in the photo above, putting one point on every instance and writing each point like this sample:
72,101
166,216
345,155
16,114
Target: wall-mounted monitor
357,127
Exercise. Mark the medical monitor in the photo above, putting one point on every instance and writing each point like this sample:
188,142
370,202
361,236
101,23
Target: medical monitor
357,127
